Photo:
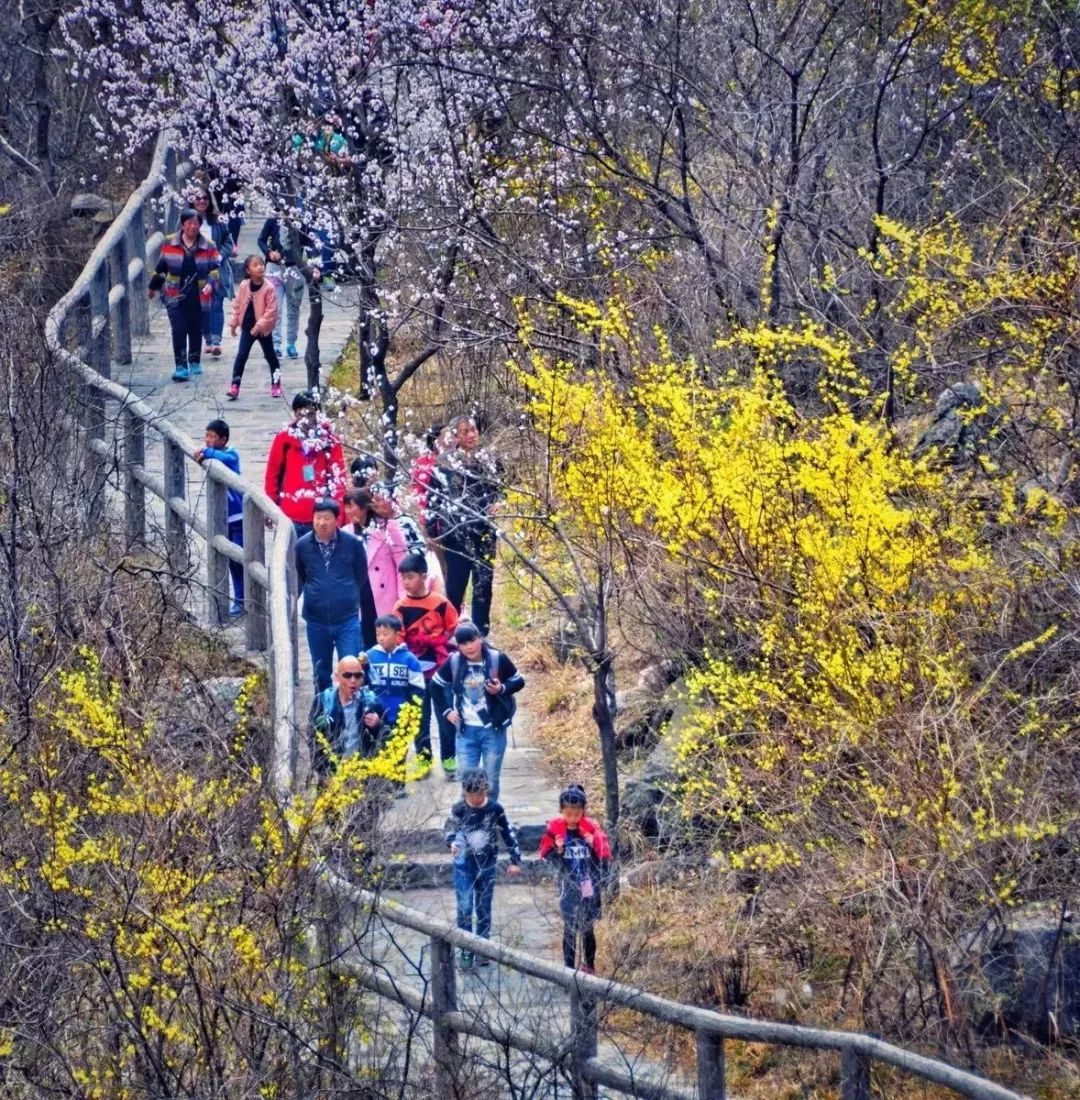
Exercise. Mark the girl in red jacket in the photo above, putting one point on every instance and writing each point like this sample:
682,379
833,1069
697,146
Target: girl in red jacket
580,850
254,311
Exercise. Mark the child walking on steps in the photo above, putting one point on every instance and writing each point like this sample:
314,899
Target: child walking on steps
254,312
579,848
472,835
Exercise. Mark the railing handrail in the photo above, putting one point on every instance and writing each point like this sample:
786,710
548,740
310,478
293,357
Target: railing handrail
282,680
109,240
694,1018
711,1028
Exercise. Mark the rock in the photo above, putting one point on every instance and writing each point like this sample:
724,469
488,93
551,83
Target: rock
88,205
655,679
1025,975
655,872
204,711
643,709
957,431
649,800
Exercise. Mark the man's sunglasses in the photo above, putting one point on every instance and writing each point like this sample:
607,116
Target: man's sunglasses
351,675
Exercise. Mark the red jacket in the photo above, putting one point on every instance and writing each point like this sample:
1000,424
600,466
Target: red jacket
429,623
556,828
297,477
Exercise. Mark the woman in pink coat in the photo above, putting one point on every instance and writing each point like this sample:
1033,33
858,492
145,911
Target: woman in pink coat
254,312
386,546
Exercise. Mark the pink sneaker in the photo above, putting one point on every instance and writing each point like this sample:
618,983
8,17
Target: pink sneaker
275,389
234,391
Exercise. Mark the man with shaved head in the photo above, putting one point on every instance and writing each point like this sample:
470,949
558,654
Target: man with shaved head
345,717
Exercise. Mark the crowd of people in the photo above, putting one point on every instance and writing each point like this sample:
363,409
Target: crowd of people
383,592
195,275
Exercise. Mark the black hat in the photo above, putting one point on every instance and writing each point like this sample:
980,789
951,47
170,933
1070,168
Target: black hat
305,399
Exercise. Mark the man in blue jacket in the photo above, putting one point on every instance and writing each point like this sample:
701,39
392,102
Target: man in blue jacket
331,568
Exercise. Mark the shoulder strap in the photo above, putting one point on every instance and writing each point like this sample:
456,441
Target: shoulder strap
493,662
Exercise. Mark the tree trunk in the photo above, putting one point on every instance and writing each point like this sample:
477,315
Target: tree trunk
604,716
311,333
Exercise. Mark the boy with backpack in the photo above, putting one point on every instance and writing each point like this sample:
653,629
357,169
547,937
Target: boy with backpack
475,688
429,619
472,835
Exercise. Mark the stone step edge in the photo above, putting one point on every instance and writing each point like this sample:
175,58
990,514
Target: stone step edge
421,841
412,874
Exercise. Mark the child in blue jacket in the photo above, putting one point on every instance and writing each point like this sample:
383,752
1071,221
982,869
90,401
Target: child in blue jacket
394,673
217,446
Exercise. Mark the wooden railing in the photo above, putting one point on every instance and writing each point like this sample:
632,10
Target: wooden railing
91,327
88,330
577,1051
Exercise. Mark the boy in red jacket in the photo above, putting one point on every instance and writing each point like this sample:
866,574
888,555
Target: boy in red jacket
305,465
430,620
580,849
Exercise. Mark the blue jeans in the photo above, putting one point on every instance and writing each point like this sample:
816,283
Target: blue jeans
447,750
324,638
474,883
236,570
213,320
483,747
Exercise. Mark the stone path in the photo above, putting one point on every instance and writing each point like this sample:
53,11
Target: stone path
528,795
526,915
255,418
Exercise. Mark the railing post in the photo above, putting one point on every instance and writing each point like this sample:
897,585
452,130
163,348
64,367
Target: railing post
447,1048
99,355
854,1075
293,604
176,540
254,594
134,490
583,1042
93,404
121,322
138,286
710,1066
217,565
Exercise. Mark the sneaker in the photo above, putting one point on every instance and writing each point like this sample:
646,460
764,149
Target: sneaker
234,391
236,608
195,368
275,389
181,374
423,766
465,959
449,767
583,969
291,352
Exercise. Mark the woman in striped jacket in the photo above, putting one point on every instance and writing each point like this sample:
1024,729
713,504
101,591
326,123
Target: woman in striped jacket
187,274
